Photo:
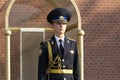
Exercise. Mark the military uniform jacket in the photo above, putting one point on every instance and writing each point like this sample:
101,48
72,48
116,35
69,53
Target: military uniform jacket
69,60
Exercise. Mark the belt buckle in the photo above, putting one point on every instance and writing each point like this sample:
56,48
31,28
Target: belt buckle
63,71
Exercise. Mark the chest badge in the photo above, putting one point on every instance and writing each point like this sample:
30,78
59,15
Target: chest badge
72,51
52,42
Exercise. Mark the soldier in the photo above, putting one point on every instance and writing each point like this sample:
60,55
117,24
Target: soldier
59,56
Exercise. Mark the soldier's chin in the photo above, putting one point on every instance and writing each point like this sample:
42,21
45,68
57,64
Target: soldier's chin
62,32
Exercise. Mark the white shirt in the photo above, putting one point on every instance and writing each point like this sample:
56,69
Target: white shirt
57,40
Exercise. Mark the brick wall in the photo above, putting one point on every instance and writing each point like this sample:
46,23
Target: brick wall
2,53
2,44
34,13
15,55
101,23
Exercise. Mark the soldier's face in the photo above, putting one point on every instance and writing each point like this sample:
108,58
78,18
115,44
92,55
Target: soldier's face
59,28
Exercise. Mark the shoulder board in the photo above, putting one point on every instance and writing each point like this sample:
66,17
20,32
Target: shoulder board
71,39
44,43
47,40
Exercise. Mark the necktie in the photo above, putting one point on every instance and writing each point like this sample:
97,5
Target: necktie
61,47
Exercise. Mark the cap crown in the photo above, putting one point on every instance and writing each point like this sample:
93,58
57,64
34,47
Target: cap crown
59,14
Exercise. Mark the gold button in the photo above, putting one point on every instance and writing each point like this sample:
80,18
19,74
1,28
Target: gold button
63,66
63,71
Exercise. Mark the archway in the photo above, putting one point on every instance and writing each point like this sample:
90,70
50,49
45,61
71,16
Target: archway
9,26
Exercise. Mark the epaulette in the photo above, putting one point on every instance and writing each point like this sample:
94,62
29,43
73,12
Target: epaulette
71,39
43,44
47,40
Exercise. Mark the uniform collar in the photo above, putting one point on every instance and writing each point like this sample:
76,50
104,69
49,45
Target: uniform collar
57,38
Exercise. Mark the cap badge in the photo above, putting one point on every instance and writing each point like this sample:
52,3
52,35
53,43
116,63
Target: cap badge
61,17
